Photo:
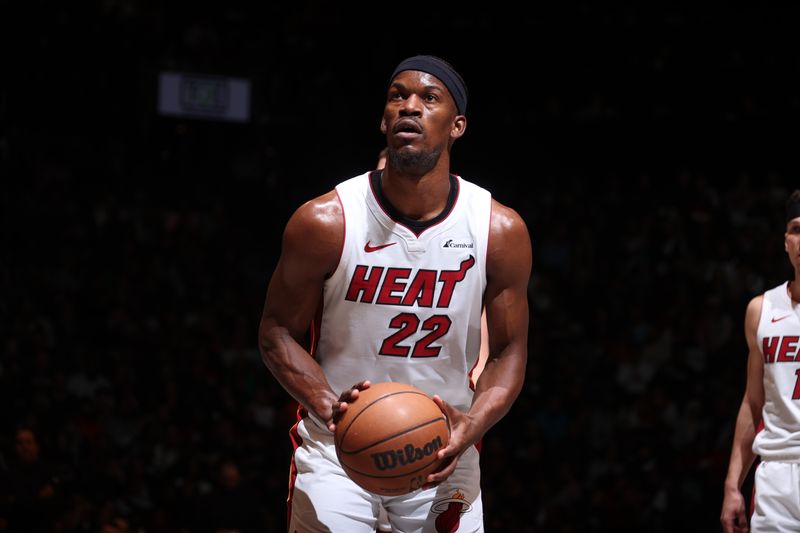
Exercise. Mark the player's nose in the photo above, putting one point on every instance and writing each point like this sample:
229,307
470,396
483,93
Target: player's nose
411,106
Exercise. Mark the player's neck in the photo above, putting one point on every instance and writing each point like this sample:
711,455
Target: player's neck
418,198
794,288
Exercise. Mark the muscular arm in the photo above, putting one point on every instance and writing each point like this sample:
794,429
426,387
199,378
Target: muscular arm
733,515
310,251
508,272
506,298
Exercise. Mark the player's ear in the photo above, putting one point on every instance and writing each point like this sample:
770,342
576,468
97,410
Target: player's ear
384,128
459,127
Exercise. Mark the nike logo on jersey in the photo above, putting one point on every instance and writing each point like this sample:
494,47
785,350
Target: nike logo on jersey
780,318
369,249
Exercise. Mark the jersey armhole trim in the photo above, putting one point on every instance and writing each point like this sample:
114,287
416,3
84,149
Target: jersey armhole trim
344,237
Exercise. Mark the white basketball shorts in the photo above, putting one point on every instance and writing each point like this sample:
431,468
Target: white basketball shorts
323,499
776,507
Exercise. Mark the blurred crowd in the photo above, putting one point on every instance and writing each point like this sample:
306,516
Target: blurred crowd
136,252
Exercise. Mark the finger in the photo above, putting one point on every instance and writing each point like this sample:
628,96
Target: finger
427,486
352,393
448,451
449,411
338,408
740,523
348,396
361,385
440,403
443,473
444,407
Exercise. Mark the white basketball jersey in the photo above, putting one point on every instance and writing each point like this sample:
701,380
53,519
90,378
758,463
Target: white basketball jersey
406,307
778,337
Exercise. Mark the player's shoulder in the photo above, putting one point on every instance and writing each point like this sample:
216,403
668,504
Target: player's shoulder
320,208
777,296
752,315
326,210
755,304
318,217
510,250
506,220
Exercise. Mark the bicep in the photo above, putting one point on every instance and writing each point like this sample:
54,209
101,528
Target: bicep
755,382
292,296
309,252
508,275
755,360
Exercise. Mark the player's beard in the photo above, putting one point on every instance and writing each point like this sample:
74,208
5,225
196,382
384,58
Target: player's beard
413,163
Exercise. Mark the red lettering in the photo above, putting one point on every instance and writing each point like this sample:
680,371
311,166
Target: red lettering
391,285
393,289
407,324
796,393
438,325
449,279
421,289
363,285
786,354
768,346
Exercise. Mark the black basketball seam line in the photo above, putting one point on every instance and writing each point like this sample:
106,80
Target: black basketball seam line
376,400
404,432
373,476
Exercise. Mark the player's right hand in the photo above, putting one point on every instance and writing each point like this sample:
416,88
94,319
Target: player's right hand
340,406
734,517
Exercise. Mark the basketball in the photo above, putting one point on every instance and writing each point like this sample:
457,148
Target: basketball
387,439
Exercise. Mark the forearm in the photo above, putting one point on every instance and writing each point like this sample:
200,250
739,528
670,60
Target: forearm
742,455
297,371
497,388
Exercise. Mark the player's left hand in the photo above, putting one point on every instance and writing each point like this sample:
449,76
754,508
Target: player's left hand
347,397
461,438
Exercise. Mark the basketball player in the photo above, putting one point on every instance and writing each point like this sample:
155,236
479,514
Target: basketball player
394,268
768,424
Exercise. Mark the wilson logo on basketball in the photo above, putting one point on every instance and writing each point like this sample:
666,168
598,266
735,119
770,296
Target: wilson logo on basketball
405,456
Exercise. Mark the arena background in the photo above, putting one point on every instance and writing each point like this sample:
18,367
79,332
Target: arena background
649,148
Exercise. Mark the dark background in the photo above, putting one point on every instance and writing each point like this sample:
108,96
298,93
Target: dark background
649,149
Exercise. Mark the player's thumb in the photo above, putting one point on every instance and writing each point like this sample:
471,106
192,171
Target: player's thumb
740,524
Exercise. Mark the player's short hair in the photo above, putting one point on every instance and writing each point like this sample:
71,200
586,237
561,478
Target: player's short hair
793,206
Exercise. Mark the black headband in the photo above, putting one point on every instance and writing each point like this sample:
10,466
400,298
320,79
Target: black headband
442,70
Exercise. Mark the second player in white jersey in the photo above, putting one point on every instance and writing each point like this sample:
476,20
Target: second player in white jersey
768,423
778,337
